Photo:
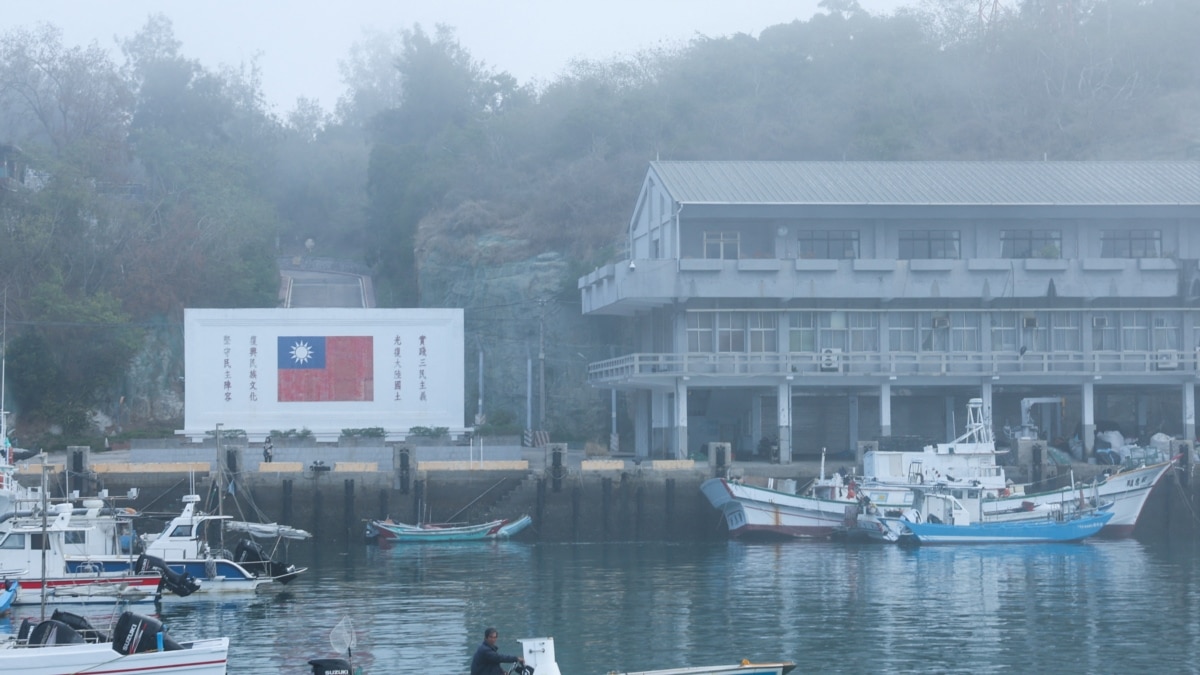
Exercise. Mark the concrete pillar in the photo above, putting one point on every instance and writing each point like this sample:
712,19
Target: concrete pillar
951,429
681,416
885,410
641,423
756,421
1143,414
986,395
1089,419
784,397
1189,411
661,427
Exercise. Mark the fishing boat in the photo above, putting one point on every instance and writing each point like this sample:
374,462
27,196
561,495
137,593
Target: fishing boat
387,531
969,461
539,657
183,548
38,551
138,644
938,517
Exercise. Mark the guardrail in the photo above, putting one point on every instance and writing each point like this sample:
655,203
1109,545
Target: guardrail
830,363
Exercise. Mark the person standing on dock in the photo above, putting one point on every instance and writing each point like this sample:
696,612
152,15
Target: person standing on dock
268,450
488,657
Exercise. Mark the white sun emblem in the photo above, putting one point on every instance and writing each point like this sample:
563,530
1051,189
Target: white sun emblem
302,352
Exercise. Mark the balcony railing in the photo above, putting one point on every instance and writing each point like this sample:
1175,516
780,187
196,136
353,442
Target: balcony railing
833,363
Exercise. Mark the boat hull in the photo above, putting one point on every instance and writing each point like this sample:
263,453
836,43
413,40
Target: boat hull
1127,491
1014,532
202,657
736,669
404,534
89,590
755,512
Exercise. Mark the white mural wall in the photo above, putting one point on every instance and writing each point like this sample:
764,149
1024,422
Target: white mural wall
323,370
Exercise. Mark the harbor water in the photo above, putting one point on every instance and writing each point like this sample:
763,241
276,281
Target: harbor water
1096,607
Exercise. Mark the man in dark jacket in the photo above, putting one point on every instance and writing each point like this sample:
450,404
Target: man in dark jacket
488,657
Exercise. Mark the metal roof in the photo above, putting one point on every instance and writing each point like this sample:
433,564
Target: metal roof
932,183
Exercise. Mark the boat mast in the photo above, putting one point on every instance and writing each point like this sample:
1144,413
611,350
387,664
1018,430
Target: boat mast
220,487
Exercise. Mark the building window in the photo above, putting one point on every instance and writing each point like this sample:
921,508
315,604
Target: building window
928,244
902,332
722,245
1166,333
1105,331
828,244
864,332
764,331
1135,331
1131,244
1005,332
731,332
802,332
1065,332
964,332
1031,243
700,332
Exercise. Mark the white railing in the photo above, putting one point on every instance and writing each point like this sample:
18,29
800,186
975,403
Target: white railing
832,363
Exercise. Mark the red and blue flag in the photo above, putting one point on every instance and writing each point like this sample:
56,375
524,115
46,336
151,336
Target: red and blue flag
331,368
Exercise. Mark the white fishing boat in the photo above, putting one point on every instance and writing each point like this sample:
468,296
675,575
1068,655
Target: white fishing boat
968,461
138,644
539,658
182,548
39,552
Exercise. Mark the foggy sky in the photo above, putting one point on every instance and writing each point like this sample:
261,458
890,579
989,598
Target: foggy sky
301,41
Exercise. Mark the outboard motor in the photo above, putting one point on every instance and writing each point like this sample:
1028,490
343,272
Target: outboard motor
26,628
330,666
179,583
250,554
283,573
135,634
80,625
51,632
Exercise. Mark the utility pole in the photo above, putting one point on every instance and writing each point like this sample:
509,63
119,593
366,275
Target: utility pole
542,365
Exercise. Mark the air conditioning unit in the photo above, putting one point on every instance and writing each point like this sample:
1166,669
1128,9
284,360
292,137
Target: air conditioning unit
1029,322
1099,322
941,322
831,360
1167,359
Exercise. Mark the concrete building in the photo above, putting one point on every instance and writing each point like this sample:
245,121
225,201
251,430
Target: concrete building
787,307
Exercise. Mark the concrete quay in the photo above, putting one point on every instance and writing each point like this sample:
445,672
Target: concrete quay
576,499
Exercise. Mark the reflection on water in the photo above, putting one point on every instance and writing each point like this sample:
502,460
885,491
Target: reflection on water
1102,606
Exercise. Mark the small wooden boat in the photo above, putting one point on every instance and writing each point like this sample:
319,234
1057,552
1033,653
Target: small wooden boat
539,658
406,533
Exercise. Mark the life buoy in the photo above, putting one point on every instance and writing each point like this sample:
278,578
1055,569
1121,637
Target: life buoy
1005,492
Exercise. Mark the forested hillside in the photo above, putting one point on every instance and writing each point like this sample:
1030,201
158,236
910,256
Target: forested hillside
140,183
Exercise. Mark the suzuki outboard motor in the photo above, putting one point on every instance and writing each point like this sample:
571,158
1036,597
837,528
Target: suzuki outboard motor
330,666
135,634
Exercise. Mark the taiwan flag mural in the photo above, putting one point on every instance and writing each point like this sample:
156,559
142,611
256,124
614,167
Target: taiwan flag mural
326,368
